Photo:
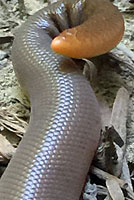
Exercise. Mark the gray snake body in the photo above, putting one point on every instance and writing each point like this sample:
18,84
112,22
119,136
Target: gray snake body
53,158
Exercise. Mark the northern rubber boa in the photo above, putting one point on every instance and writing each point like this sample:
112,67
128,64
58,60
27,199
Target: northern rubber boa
54,156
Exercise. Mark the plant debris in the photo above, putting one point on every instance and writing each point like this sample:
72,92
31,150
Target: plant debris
112,78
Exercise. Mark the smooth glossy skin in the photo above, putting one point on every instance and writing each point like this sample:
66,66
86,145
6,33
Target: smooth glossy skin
101,28
53,158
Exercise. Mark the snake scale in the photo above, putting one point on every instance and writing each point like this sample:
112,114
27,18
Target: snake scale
54,156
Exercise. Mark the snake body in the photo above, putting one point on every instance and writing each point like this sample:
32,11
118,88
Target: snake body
53,158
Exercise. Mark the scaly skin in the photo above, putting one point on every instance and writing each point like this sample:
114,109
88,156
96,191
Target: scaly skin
53,158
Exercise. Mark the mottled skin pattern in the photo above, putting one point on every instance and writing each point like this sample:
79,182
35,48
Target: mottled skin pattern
53,158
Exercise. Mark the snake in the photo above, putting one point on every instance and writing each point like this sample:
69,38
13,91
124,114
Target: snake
53,159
